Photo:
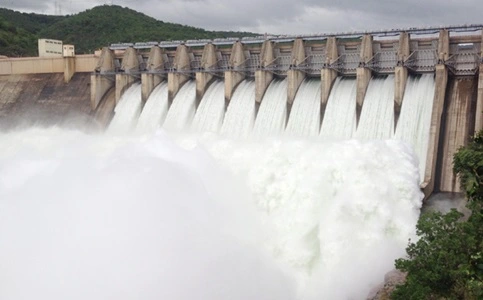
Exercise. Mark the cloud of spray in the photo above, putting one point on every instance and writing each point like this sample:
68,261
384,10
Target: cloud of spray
105,217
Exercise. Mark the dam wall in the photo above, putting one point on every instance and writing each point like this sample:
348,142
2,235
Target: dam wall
454,59
457,128
45,65
45,100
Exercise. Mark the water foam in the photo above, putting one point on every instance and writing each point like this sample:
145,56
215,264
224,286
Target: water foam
96,217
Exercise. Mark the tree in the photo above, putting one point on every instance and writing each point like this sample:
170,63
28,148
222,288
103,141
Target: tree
447,260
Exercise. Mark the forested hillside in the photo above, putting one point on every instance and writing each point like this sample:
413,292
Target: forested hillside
92,29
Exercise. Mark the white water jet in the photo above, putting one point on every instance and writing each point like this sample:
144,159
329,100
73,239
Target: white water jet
155,109
240,114
415,117
183,108
377,115
304,119
127,111
272,114
339,121
209,115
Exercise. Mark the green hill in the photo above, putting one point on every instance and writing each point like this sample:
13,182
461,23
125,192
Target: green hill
92,29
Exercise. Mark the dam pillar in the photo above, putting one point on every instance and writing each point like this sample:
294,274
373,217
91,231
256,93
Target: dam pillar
154,75
400,74
130,66
479,98
294,76
328,75
204,79
103,79
181,66
236,75
363,73
441,80
263,77
69,68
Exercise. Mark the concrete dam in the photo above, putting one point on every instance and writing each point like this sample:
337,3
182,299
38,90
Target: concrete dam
358,61
273,167
355,62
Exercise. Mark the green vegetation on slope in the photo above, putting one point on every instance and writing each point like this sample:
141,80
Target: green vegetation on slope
447,261
16,41
92,29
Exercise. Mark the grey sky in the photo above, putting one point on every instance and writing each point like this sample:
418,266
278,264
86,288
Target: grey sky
283,16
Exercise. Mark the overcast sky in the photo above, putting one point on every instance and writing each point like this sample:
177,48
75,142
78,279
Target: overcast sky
283,16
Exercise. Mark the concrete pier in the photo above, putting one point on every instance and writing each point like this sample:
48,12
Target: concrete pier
180,75
363,73
479,101
441,80
69,68
263,77
234,76
328,74
151,79
400,74
130,68
104,78
294,76
204,79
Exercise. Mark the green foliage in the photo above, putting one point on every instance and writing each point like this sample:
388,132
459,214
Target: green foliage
16,41
94,29
447,261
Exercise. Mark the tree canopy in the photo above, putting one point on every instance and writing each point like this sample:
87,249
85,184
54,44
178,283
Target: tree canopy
92,29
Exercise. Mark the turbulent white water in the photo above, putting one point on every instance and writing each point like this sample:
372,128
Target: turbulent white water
240,114
210,113
272,114
182,109
415,118
340,113
101,217
377,115
155,109
127,111
141,214
304,117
